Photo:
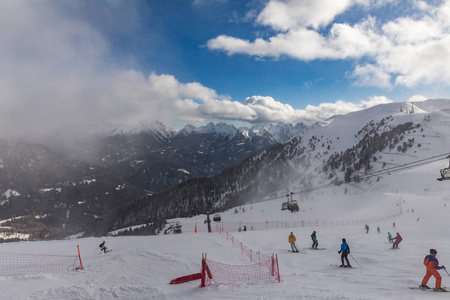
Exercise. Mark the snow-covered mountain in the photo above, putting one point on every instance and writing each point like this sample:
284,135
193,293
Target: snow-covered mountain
153,156
359,148
48,195
44,194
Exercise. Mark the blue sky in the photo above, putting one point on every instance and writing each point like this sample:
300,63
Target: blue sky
83,63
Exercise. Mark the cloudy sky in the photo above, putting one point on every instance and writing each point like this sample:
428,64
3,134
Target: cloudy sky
75,64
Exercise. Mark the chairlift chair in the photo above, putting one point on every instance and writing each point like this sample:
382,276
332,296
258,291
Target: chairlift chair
445,173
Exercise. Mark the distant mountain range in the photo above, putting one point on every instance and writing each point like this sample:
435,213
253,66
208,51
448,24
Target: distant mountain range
53,192
47,195
154,157
350,148
151,173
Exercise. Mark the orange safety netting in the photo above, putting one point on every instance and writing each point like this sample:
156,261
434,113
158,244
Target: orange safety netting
15,264
263,272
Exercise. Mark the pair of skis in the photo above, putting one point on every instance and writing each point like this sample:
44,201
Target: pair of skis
443,289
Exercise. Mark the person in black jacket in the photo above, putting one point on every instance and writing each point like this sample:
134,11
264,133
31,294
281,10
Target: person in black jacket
345,251
103,247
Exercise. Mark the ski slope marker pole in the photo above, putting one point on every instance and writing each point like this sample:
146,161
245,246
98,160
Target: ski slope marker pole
354,260
79,256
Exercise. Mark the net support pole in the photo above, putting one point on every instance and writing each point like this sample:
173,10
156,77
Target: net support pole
79,256
273,267
278,268
202,284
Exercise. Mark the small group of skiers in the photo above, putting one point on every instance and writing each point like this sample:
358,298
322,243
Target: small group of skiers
395,240
292,240
344,251
430,261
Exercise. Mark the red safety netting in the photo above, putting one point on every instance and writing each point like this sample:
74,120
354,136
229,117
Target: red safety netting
219,273
14,264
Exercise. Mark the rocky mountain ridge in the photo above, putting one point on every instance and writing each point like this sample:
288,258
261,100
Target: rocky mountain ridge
155,157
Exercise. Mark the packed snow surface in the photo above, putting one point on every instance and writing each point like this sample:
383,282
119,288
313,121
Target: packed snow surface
141,267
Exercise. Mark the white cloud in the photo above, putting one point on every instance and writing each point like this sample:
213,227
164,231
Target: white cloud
344,41
408,50
269,110
340,107
370,75
286,15
56,75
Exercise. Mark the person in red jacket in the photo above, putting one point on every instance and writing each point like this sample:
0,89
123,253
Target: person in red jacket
397,239
432,265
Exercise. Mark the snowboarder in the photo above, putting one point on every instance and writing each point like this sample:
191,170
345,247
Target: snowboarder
367,228
345,251
389,237
292,240
397,239
245,228
103,247
432,265
315,241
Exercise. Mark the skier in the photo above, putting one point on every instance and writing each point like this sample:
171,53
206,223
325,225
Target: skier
378,228
292,240
345,250
315,241
367,228
103,247
389,237
397,239
432,265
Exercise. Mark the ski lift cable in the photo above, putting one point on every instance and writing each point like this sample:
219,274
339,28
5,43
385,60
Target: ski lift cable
398,168
377,173
404,167
419,162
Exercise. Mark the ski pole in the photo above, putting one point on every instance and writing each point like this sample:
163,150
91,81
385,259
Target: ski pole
356,261
446,272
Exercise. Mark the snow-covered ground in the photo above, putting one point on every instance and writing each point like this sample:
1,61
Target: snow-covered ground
141,267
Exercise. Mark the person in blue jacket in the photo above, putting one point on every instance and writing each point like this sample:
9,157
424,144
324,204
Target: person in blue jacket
345,251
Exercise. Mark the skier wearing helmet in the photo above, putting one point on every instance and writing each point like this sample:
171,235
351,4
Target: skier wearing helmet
345,250
103,247
432,265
